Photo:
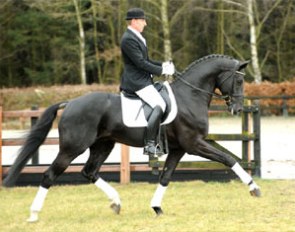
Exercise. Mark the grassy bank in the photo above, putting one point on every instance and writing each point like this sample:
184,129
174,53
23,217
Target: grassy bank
188,206
24,98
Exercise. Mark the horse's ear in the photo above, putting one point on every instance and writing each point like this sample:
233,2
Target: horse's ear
244,64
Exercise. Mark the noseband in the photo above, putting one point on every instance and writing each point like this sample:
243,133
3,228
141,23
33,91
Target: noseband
233,85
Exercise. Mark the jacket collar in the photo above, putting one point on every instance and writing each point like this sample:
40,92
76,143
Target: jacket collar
138,35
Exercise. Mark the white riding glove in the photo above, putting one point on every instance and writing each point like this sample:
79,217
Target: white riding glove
168,68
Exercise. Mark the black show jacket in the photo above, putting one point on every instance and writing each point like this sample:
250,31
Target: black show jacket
137,65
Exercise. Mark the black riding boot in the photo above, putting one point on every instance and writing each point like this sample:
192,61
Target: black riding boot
152,131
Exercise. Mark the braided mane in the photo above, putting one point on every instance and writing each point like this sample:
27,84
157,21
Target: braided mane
205,58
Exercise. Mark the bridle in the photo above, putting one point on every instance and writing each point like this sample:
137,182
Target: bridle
227,98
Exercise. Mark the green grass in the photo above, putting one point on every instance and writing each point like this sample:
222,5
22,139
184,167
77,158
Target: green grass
188,206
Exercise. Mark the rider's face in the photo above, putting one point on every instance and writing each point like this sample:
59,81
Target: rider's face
138,24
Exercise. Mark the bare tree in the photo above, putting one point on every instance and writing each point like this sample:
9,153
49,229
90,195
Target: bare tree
220,27
95,37
163,20
166,30
81,43
253,43
59,9
256,23
279,36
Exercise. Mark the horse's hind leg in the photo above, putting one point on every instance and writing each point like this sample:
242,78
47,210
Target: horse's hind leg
99,152
60,164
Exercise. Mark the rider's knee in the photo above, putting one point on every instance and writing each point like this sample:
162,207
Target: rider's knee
159,109
162,105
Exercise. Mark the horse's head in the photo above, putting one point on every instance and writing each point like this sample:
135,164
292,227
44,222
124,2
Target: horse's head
231,84
217,71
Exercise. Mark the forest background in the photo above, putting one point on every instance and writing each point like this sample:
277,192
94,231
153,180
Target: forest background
57,42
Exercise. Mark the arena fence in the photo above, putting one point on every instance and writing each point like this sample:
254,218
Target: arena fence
250,121
277,104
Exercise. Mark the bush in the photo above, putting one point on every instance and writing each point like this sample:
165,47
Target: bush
24,98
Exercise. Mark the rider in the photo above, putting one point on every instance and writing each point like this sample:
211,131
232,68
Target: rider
137,77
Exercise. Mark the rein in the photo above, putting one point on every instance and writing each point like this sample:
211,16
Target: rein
219,96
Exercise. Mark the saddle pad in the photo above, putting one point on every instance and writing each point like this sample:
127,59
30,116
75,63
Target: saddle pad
133,114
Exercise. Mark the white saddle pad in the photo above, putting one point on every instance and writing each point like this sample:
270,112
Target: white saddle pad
132,110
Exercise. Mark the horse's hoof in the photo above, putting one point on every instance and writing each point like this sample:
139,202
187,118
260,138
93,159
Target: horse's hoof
33,217
158,210
116,208
255,192
155,171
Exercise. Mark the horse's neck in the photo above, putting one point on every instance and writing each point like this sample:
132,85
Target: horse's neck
190,95
202,75
203,78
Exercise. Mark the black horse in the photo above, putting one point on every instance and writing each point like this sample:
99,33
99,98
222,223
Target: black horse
95,121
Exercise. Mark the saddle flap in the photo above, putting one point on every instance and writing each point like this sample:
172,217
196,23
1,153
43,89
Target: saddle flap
133,113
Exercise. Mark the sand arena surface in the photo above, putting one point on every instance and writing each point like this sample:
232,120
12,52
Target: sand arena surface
277,146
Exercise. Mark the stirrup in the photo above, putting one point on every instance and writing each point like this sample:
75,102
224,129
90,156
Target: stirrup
154,154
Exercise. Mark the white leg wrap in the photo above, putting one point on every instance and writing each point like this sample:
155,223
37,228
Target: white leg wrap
39,199
158,196
108,190
37,204
244,176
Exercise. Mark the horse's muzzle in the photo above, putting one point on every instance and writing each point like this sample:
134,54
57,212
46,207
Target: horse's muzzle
235,109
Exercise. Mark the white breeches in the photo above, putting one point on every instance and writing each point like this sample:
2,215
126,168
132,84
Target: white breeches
152,97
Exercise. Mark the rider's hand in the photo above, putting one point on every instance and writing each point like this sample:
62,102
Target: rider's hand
168,68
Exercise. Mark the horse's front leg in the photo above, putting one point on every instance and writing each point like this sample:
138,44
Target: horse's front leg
204,149
169,167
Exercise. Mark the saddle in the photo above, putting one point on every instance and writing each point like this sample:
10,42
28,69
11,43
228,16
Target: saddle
135,112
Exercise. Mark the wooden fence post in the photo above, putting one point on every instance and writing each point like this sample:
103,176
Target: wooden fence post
257,141
35,157
1,169
246,129
125,165
285,106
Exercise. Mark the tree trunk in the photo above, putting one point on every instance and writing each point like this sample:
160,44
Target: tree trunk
81,43
253,43
166,31
220,28
278,40
95,40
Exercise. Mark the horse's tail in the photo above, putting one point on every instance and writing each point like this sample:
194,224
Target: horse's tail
33,141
